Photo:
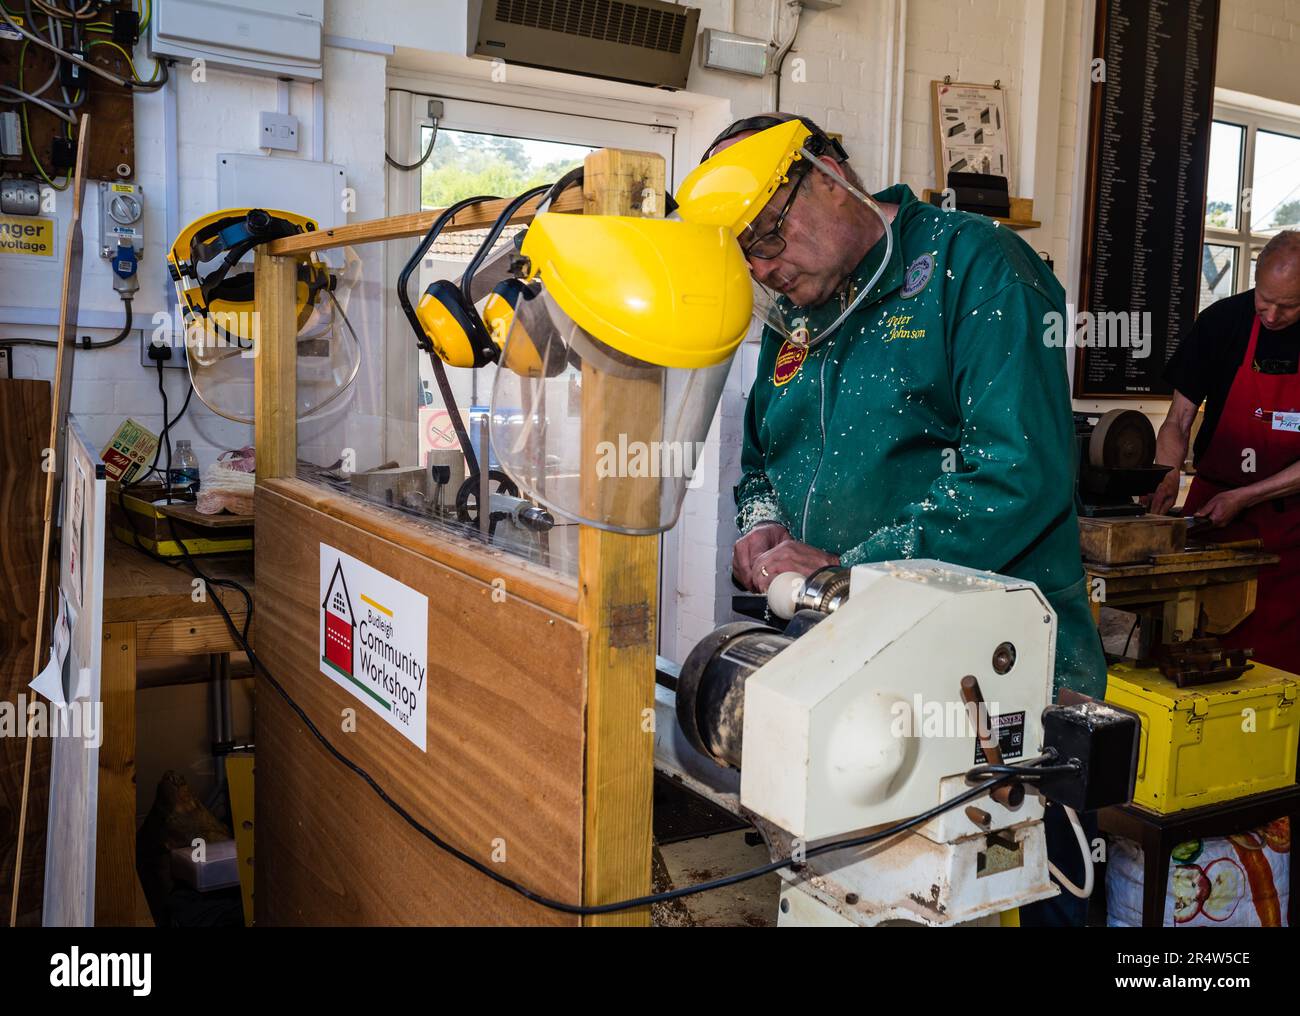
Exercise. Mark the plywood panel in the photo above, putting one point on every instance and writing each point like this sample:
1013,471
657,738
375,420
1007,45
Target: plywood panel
24,422
111,106
504,760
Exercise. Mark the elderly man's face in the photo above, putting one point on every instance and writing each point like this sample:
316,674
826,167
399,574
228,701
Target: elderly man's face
819,238
1277,294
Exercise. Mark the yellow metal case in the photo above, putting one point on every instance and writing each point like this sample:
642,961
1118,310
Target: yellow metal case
1212,743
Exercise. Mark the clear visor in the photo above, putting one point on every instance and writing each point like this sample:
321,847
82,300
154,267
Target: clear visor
764,240
593,434
220,347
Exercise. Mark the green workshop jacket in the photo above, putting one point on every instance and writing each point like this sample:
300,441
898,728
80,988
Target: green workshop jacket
934,423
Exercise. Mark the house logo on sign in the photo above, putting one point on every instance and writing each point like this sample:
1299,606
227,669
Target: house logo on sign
374,641
340,623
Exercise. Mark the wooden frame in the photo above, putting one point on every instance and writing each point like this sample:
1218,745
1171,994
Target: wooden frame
540,731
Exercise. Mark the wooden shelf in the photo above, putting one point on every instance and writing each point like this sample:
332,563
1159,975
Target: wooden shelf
1022,212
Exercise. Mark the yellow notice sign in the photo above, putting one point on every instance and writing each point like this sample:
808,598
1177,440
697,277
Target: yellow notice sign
26,234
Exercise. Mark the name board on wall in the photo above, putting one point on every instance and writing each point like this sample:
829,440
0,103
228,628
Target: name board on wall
1148,149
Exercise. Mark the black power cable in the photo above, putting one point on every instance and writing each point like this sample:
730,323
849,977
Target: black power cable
85,341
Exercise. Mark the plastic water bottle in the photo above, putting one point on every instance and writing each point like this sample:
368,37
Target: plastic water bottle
185,466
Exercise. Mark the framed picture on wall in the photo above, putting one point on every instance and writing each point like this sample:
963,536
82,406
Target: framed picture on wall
971,134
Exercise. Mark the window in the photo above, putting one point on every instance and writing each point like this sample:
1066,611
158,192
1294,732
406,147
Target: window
1252,192
465,163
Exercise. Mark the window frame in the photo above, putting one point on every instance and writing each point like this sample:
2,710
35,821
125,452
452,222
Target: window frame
1248,243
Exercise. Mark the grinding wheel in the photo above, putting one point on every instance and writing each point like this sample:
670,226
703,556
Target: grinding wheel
1122,439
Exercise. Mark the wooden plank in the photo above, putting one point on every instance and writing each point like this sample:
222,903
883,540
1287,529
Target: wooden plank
138,588
505,748
399,227
619,579
1129,540
116,884
523,579
196,636
24,422
63,357
275,400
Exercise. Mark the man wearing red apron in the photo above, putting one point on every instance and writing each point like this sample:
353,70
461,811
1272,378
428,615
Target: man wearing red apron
1242,358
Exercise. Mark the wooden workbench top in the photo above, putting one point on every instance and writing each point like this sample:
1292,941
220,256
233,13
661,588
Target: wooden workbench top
137,587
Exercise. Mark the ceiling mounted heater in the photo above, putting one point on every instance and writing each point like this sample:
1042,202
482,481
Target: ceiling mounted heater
645,42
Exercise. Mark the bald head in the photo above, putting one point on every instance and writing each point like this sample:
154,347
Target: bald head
1277,281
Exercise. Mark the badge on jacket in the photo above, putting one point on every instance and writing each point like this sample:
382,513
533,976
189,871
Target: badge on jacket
789,359
917,275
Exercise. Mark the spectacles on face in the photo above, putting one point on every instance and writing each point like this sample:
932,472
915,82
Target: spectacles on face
772,244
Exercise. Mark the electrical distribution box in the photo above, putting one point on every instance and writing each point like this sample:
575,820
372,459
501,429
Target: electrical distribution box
281,38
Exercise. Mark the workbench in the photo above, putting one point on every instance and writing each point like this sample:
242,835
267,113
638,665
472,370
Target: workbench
150,611
1220,581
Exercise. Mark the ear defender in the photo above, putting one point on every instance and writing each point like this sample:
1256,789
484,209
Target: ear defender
537,350
453,327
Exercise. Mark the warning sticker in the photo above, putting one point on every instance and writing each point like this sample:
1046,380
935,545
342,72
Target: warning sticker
374,641
26,234
1010,729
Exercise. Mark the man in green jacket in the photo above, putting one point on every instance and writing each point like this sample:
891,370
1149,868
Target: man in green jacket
933,422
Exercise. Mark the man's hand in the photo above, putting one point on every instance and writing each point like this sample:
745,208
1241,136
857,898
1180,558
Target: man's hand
757,541
1164,496
1223,508
790,556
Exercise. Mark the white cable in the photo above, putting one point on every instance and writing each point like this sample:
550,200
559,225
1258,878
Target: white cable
147,86
28,97
1086,851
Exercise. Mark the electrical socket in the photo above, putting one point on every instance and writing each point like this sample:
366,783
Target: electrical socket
279,131
171,355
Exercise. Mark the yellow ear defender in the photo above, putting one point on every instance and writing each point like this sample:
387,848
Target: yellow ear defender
542,353
446,311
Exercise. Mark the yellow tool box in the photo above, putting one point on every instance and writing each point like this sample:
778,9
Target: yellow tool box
1212,742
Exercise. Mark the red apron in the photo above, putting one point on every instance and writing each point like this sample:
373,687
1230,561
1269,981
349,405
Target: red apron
1273,630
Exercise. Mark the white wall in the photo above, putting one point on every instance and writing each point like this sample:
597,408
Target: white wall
1259,48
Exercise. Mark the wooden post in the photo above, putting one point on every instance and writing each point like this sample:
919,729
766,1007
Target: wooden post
116,884
276,347
619,577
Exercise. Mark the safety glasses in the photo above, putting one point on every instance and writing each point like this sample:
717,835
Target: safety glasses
771,244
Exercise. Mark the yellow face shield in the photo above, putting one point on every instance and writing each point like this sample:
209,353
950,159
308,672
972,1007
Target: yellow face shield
733,187
611,373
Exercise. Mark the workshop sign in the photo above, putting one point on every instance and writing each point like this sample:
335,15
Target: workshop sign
27,235
374,641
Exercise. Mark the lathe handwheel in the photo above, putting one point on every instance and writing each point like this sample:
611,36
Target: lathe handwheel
467,496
